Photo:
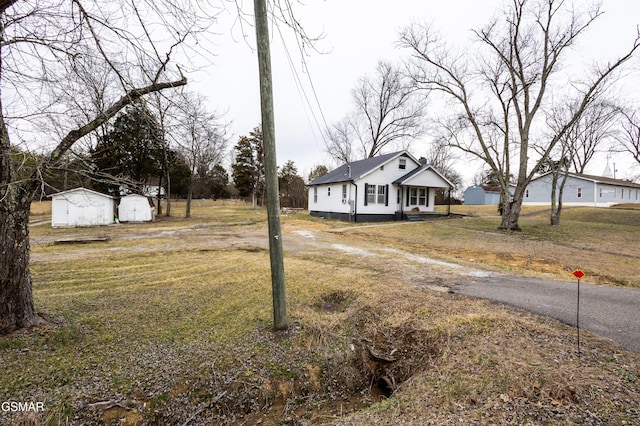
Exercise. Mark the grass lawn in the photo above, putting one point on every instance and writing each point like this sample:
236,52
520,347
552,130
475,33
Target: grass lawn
170,323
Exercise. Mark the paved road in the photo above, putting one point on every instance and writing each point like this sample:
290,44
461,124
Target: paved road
611,312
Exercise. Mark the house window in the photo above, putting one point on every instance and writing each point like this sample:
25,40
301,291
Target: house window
381,194
399,196
422,196
579,192
622,193
403,163
371,194
344,193
526,193
600,192
413,196
328,191
315,194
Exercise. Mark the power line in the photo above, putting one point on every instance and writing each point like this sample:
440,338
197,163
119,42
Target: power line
300,86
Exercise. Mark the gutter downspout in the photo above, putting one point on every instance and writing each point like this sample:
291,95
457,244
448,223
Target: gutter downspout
401,202
355,204
355,201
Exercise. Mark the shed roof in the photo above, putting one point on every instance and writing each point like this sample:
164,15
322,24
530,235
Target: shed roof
79,189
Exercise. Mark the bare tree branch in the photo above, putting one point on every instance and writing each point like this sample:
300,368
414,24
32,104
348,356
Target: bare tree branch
518,64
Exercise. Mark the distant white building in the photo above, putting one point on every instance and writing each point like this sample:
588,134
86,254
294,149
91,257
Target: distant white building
81,207
152,191
583,190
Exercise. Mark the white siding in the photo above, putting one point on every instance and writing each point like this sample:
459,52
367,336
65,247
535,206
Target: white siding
329,198
383,176
135,208
81,207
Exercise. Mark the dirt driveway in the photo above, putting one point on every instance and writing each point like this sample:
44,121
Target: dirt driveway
610,312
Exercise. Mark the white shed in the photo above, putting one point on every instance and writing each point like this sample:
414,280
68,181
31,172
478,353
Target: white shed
81,207
135,208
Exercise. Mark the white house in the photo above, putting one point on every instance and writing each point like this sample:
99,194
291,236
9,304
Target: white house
81,207
135,208
388,187
583,190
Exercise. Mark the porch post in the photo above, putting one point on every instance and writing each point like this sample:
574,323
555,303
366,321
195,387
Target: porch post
449,203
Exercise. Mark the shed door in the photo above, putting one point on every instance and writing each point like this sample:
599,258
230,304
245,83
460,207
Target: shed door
59,212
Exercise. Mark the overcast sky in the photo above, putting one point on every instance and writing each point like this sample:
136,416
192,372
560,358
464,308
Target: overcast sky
357,34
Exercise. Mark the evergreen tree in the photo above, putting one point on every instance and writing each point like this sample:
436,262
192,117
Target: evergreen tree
318,171
219,182
293,192
179,174
248,166
130,153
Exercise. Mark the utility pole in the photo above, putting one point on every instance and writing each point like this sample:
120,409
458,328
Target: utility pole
271,167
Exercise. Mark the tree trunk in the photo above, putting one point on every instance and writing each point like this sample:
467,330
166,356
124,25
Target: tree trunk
168,208
187,213
555,214
16,301
159,194
511,215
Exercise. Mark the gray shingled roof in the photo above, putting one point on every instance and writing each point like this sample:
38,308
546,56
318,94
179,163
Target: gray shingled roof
358,169
610,181
599,179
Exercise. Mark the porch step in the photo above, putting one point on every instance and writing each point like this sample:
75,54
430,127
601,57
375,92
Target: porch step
420,217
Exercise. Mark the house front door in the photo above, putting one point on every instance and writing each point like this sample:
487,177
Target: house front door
416,198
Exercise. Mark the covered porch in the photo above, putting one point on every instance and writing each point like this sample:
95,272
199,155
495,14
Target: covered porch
417,191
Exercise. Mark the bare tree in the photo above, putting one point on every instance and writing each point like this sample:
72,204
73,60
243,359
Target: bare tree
589,134
576,148
496,92
202,137
339,141
162,106
442,159
387,114
629,137
41,47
